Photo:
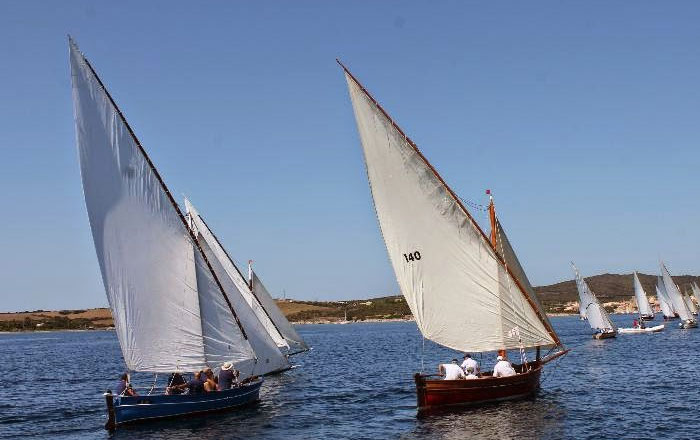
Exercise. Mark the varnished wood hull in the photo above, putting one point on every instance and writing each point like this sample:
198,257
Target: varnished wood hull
437,393
605,335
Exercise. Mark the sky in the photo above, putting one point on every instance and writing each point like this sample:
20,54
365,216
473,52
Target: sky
581,117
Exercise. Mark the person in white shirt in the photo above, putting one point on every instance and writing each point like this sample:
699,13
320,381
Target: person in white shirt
469,362
470,373
451,371
503,368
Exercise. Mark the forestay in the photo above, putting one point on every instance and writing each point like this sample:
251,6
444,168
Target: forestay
674,295
595,313
459,292
232,272
641,297
664,301
296,342
154,276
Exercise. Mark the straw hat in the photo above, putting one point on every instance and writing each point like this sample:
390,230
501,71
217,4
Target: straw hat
227,366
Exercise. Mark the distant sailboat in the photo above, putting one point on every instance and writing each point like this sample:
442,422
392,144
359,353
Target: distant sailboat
644,310
172,311
643,306
466,291
691,305
695,292
676,298
664,301
596,315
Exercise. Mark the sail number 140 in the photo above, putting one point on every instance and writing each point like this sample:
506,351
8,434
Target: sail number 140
412,256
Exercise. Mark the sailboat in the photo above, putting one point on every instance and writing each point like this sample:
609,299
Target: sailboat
596,315
644,310
467,291
174,309
676,298
664,301
691,305
252,290
695,292
643,306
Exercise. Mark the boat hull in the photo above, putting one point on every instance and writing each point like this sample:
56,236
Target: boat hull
647,317
437,393
127,409
605,335
688,324
635,331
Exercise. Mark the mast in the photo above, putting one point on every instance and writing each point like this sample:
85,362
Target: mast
457,202
492,219
162,184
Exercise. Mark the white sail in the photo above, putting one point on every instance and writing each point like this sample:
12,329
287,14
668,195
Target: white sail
597,317
664,301
691,305
296,342
696,292
458,290
152,272
674,295
268,356
641,297
232,272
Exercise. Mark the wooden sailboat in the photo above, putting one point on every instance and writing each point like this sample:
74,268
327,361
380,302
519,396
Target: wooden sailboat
675,296
467,291
664,301
174,309
596,315
644,311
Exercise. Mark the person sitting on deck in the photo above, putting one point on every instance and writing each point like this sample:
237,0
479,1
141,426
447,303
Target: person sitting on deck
470,373
209,380
124,387
451,371
503,368
174,384
469,362
226,376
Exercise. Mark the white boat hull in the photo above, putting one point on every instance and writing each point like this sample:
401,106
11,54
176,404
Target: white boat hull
654,329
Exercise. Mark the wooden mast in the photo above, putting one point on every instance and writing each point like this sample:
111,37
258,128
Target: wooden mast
162,185
457,201
492,219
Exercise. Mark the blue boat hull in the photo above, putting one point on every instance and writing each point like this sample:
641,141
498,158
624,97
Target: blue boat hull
127,409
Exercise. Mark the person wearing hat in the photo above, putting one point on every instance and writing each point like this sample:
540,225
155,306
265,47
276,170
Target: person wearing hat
470,373
226,376
451,371
503,368
469,362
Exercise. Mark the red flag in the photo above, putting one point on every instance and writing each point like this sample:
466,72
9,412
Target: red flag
488,191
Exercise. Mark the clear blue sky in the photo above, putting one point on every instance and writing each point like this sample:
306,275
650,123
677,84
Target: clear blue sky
582,117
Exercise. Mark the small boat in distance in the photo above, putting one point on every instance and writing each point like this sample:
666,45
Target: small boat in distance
643,307
676,297
466,290
688,298
596,315
174,311
664,301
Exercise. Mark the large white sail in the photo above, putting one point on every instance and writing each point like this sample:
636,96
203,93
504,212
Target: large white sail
296,342
664,301
232,272
641,297
153,273
674,295
691,305
597,317
458,290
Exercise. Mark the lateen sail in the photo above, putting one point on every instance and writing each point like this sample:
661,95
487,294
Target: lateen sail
674,295
595,313
233,273
664,301
691,305
296,342
696,292
458,290
641,297
157,282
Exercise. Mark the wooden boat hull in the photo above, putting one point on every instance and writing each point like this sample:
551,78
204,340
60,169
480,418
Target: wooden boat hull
647,317
436,393
126,409
636,331
605,335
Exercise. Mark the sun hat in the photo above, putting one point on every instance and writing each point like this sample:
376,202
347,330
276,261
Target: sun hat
227,366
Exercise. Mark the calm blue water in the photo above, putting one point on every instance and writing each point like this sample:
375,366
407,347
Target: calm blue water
357,383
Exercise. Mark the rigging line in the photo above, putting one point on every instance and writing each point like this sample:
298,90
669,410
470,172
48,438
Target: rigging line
160,180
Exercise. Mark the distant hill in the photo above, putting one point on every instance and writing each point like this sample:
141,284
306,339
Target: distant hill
607,287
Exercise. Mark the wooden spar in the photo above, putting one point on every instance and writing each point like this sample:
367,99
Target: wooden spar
162,184
554,356
456,199
492,219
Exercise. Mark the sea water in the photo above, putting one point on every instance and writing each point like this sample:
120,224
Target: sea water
357,382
